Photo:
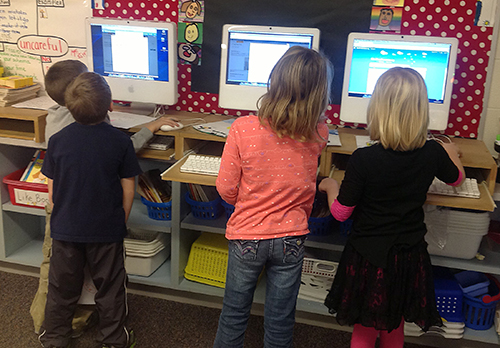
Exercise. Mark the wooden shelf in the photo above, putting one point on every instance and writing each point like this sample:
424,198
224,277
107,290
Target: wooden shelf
187,138
174,174
24,124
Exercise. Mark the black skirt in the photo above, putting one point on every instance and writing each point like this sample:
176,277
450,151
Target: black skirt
380,297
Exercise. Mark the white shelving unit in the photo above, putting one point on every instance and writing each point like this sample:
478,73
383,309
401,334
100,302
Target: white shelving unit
22,230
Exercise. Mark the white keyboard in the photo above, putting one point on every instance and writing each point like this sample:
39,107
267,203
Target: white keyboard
201,164
469,188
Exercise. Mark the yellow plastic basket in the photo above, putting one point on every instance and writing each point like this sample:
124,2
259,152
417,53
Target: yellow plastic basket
207,261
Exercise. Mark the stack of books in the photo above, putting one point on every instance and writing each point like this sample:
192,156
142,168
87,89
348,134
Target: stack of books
16,89
202,193
151,187
33,172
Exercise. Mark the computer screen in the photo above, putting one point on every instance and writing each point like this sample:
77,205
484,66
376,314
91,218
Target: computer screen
248,55
370,55
138,59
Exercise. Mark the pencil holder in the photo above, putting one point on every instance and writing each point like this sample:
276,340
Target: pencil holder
205,210
158,211
229,209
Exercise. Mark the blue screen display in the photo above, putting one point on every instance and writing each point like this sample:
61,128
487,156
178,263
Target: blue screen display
371,58
130,52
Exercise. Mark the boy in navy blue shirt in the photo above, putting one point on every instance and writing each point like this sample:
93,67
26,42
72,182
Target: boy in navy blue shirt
91,167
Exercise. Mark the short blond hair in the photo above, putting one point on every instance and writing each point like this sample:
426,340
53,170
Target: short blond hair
398,112
297,95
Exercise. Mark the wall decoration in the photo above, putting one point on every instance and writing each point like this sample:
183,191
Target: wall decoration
391,3
191,11
188,53
190,32
386,19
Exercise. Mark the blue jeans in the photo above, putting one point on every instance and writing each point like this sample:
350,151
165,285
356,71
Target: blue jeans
281,258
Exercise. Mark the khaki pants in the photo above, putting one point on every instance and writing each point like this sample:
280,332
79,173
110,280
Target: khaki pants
37,309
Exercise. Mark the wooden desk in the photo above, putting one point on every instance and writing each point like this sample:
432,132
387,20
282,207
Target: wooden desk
475,156
26,124
186,138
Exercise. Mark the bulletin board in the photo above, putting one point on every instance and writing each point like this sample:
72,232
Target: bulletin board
454,18
34,34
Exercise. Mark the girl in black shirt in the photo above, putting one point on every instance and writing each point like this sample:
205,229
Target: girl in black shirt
385,275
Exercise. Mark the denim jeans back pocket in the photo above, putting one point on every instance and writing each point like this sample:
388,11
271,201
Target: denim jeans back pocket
293,249
245,249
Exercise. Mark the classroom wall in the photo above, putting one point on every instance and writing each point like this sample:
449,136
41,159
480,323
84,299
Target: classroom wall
64,19
420,17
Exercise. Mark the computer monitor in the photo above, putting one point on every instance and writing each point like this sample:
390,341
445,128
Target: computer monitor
369,55
248,54
138,59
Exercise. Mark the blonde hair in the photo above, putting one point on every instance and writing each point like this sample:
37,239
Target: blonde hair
398,112
297,94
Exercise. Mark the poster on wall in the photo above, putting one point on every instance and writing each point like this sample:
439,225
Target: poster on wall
34,34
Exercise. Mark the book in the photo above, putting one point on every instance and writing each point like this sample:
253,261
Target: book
151,187
16,81
10,96
33,172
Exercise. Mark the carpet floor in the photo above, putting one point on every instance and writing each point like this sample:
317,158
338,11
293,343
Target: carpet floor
157,323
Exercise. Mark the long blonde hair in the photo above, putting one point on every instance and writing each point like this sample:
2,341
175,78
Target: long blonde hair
297,94
398,112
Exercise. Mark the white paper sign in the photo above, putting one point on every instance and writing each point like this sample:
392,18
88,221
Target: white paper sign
32,198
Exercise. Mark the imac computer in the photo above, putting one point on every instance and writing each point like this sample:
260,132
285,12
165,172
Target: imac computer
138,59
370,55
248,54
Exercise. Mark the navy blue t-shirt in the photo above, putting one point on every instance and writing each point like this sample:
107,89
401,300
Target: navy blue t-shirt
86,164
389,189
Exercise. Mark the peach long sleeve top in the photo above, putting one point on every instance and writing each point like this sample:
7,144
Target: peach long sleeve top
271,181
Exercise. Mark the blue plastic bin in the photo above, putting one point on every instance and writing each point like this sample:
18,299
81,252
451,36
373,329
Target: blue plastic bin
449,295
158,211
473,283
205,210
478,314
228,208
321,226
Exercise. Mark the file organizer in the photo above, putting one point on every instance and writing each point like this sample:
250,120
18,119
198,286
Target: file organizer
207,262
145,251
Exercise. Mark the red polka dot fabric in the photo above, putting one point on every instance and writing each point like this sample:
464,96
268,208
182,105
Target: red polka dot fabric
453,18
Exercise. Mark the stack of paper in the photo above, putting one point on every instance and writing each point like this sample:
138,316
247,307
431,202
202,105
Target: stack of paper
10,96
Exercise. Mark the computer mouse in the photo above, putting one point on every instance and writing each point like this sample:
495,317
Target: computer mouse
167,128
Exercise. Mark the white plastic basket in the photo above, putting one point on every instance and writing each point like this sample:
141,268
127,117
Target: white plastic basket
317,267
317,278
145,251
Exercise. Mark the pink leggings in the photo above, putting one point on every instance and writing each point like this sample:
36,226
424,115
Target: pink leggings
365,337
